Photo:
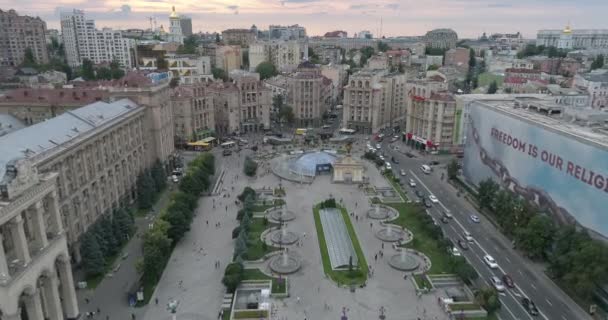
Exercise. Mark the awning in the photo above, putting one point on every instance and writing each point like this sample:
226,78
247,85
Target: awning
199,143
208,139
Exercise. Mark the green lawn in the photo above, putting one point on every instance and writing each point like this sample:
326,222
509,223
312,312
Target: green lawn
255,248
256,274
250,314
465,306
264,207
342,277
422,281
486,78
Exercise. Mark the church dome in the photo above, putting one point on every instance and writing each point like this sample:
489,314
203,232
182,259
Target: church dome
567,29
173,13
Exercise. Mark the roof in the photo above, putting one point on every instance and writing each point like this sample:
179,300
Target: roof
44,139
9,123
442,96
77,96
596,76
516,70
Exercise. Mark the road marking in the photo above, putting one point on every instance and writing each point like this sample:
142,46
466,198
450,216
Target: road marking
564,318
519,270
533,287
549,302
506,258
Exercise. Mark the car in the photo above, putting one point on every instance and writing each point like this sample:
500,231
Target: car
444,220
410,155
388,166
467,236
447,214
174,178
394,160
529,306
381,157
378,146
474,218
489,260
463,244
497,284
226,153
433,163
394,139
402,172
508,281
455,252
433,198
427,204
420,194
412,183
254,148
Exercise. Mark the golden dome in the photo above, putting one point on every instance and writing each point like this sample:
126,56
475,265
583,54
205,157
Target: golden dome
567,29
173,13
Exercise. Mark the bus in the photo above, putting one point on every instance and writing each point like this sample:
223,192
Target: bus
228,145
345,131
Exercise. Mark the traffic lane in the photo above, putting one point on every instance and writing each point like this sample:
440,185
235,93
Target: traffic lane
525,280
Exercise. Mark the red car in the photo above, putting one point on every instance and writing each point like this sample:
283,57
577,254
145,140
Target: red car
508,281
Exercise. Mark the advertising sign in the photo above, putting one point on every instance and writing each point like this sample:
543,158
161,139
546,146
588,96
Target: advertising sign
565,177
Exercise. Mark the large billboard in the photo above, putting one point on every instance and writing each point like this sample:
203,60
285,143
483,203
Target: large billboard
566,177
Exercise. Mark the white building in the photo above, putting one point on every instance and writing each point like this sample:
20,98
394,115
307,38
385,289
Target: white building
83,41
190,68
596,84
175,28
573,39
293,32
285,55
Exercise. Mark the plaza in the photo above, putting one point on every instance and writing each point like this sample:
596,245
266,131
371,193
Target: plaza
192,279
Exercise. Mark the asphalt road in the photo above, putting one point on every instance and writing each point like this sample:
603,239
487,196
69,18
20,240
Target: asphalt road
529,279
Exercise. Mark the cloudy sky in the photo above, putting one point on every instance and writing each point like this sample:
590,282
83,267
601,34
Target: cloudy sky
400,17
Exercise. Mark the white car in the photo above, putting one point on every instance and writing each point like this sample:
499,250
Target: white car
412,183
468,237
381,157
388,166
456,252
402,172
474,218
490,261
174,178
433,199
372,150
497,284
378,146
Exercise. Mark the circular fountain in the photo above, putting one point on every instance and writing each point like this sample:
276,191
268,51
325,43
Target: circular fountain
405,261
284,237
392,233
285,263
380,212
281,214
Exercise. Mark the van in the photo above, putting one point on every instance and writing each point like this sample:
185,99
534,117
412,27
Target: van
426,169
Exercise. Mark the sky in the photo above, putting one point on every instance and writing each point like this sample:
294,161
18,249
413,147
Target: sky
469,18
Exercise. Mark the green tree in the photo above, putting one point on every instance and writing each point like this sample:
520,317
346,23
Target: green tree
313,57
472,60
217,38
123,224
250,167
463,269
286,114
219,73
87,71
104,73
106,230
145,190
493,87
115,70
536,237
486,192
93,261
488,299
156,250
453,169
162,64
277,102
159,176
191,184
503,209
432,67
598,62
266,70
383,47
233,276
178,224
189,46
247,192
28,59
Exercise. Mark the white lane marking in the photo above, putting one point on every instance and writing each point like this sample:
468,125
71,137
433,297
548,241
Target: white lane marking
533,287
506,258
482,249
549,302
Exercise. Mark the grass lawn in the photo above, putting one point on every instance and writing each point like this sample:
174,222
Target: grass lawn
264,207
247,314
464,306
422,281
397,187
256,249
341,276
486,78
256,274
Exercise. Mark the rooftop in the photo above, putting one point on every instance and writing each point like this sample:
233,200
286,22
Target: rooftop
596,76
72,96
9,123
42,140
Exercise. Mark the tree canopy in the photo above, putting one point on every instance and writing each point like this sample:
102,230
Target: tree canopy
266,70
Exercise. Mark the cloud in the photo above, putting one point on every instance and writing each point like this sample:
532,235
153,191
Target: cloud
126,9
392,6
361,6
500,5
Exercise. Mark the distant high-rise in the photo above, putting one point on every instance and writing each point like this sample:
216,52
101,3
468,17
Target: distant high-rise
83,41
186,25
441,38
175,28
18,33
293,32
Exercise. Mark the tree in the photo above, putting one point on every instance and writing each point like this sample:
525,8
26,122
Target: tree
106,231
93,261
115,70
472,60
313,57
432,67
233,276
174,82
145,190
250,167
103,73
486,193
178,224
286,114
123,224
28,59
277,102
156,250
463,269
488,299
87,71
453,169
219,73
536,237
383,47
189,46
159,176
191,184
598,62
162,64
247,192
266,70
217,38
493,87
503,205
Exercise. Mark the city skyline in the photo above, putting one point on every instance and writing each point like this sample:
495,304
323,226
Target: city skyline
402,17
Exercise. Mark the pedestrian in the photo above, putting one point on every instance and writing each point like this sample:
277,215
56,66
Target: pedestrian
382,245
132,316
207,221
107,317
86,300
98,310
226,208
371,224
376,257
156,301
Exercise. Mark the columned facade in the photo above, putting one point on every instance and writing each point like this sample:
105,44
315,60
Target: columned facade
35,274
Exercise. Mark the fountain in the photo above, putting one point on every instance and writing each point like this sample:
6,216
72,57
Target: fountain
281,214
380,212
284,237
405,261
389,231
390,234
285,263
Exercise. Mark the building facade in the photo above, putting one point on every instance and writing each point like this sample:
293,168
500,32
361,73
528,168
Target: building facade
239,37
229,58
441,39
374,100
596,85
186,25
193,113
19,33
285,55
457,58
573,39
293,32
309,93
35,273
83,41
190,68
175,28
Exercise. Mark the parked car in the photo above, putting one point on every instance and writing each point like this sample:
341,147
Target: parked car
420,194
394,160
412,183
497,284
174,178
410,155
468,237
455,252
388,165
433,198
489,260
226,152
508,281
427,203
402,172
529,306
381,157
448,214
463,244
378,146
444,220
433,163
474,218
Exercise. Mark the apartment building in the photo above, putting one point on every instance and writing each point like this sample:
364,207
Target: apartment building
240,37
19,33
286,55
193,113
309,93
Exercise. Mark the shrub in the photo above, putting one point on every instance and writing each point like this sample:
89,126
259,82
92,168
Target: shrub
248,191
235,232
